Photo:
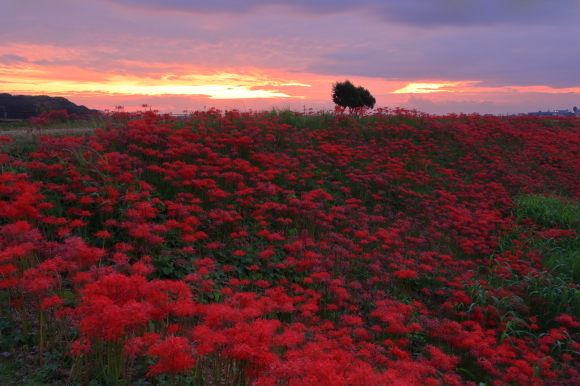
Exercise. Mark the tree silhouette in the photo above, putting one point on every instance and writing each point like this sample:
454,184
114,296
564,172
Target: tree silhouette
347,95
367,99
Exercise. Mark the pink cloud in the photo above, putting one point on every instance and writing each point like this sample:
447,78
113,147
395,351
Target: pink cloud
265,53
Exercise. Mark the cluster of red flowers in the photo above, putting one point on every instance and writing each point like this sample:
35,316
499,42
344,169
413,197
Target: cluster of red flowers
243,247
53,116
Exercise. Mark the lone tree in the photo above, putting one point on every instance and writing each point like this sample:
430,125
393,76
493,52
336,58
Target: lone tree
345,94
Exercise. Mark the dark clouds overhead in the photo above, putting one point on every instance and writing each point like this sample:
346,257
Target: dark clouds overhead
421,13
12,59
494,43
519,42
506,56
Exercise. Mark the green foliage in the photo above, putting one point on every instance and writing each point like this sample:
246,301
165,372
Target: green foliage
11,125
561,254
347,95
547,294
12,335
367,99
548,211
546,297
302,121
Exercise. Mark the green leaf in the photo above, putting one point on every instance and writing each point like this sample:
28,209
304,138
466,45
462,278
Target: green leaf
67,295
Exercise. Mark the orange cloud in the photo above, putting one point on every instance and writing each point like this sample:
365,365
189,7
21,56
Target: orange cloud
425,88
61,72
39,75
469,87
107,82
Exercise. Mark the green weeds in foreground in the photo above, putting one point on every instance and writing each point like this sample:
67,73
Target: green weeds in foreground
541,295
548,211
560,252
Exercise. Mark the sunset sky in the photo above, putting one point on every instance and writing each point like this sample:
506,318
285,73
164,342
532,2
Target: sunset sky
436,56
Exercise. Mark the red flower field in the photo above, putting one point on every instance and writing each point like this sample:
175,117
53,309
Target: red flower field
279,249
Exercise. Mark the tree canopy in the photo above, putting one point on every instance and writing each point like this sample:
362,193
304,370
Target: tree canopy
347,95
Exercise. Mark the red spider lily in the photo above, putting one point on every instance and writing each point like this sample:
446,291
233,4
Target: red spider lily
359,252
51,302
174,355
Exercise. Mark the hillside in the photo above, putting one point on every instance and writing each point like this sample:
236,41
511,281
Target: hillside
26,106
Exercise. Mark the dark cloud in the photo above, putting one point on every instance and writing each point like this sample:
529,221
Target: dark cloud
10,59
428,13
525,103
424,13
496,57
465,106
236,6
495,42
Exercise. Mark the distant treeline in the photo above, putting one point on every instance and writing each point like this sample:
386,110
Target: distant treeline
27,106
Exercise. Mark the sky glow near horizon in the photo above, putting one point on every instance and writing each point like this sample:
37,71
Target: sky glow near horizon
447,56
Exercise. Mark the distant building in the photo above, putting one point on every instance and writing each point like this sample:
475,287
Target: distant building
555,113
542,114
561,113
